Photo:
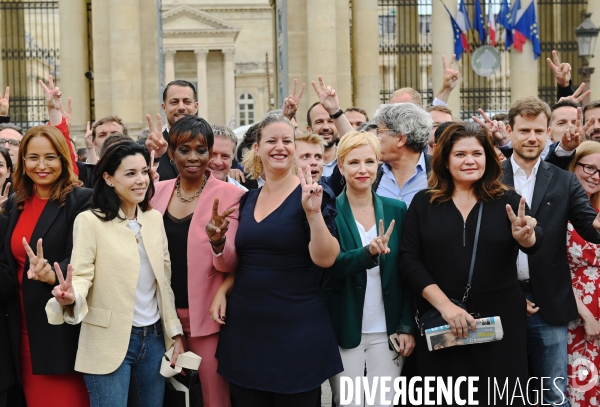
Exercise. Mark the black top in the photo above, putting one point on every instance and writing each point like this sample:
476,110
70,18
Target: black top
177,235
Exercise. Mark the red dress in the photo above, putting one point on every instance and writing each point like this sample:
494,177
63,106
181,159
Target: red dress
583,356
40,390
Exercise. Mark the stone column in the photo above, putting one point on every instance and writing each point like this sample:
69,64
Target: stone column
343,57
74,61
594,8
126,81
202,82
102,58
365,56
443,44
523,69
229,88
321,41
169,65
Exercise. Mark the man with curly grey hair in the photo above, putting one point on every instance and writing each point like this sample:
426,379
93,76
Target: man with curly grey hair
403,130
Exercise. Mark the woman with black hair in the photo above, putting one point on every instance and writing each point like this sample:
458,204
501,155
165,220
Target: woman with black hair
118,284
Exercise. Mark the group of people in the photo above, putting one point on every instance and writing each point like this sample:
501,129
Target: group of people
291,258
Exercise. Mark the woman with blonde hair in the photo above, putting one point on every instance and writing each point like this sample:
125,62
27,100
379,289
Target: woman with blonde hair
48,197
366,298
584,260
276,346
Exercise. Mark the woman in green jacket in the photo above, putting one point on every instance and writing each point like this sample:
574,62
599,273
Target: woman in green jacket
365,296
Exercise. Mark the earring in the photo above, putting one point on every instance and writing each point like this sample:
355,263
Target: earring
172,162
110,185
343,180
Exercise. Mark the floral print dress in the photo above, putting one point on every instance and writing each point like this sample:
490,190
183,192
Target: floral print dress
583,386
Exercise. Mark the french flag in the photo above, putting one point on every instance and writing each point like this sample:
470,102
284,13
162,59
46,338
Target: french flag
462,19
518,38
491,24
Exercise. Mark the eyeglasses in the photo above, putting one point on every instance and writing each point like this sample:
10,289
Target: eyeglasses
13,143
49,159
589,169
378,131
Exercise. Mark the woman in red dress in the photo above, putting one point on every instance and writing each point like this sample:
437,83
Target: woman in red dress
42,211
583,344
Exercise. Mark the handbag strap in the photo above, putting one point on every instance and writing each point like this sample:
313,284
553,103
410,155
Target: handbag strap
468,287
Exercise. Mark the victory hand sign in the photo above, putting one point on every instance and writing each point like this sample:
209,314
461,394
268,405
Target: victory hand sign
63,292
522,225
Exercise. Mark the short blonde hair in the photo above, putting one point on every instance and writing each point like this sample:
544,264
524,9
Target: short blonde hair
586,148
354,139
312,138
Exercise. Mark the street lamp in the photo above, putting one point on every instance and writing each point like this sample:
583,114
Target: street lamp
587,34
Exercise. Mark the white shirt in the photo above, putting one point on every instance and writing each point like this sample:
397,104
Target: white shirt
328,168
237,184
145,311
524,186
373,319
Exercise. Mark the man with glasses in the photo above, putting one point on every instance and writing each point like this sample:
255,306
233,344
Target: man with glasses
403,130
10,138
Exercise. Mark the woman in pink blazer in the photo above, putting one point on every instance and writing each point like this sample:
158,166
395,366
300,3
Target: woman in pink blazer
200,218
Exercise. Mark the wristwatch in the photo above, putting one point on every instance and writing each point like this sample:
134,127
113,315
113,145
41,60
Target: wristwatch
337,114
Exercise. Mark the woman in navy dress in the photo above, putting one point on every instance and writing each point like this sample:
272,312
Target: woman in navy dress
277,346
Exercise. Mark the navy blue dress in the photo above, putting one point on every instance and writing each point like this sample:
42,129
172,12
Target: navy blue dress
278,335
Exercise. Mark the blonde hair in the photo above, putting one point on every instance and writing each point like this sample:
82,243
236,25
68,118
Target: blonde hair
312,138
251,162
354,139
586,148
415,96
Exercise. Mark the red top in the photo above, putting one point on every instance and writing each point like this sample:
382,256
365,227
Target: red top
64,129
24,229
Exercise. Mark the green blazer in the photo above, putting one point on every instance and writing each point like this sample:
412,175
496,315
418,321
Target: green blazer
345,282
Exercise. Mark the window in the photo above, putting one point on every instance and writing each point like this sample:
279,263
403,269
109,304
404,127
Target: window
246,109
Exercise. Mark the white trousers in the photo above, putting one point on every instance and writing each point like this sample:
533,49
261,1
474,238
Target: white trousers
375,352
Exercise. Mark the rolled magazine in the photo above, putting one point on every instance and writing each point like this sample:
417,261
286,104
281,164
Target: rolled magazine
488,330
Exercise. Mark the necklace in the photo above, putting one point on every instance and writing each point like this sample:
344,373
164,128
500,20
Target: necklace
196,194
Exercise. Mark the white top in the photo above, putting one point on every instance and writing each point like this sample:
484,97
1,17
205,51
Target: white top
524,186
328,168
373,319
145,311
237,184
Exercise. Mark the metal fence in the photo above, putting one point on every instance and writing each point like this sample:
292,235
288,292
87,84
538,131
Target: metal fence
405,47
29,40
557,20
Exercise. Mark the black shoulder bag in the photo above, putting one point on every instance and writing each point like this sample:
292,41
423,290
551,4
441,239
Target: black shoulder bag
433,318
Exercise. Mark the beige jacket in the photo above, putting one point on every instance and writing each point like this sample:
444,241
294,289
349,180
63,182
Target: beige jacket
106,267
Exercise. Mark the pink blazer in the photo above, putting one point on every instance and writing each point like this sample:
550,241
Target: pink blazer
206,271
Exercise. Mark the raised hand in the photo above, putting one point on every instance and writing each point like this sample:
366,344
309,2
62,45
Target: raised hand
53,94
561,71
327,96
218,224
154,175
451,75
4,102
578,96
575,135
379,245
497,129
522,225
39,268
312,193
89,140
291,103
156,141
63,292
4,196
68,113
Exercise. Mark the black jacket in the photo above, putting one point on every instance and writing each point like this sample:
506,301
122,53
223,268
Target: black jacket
7,365
558,198
53,347
166,169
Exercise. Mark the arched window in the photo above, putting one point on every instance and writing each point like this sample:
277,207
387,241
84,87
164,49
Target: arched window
246,109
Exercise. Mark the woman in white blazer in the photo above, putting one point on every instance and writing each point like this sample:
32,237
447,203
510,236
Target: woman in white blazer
119,284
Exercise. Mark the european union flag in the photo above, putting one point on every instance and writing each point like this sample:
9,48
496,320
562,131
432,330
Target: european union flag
479,24
505,20
457,36
528,26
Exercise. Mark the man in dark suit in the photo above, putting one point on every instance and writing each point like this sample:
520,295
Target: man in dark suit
179,99
555,198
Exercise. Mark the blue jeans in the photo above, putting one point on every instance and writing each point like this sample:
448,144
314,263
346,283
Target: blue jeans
142,362
547,349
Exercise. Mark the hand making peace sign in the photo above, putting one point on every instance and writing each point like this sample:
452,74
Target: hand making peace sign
4,102
497,129
379,245
575,135
63,292
522,225
218,224
39,268
291,103
312,193
156,141
561,71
